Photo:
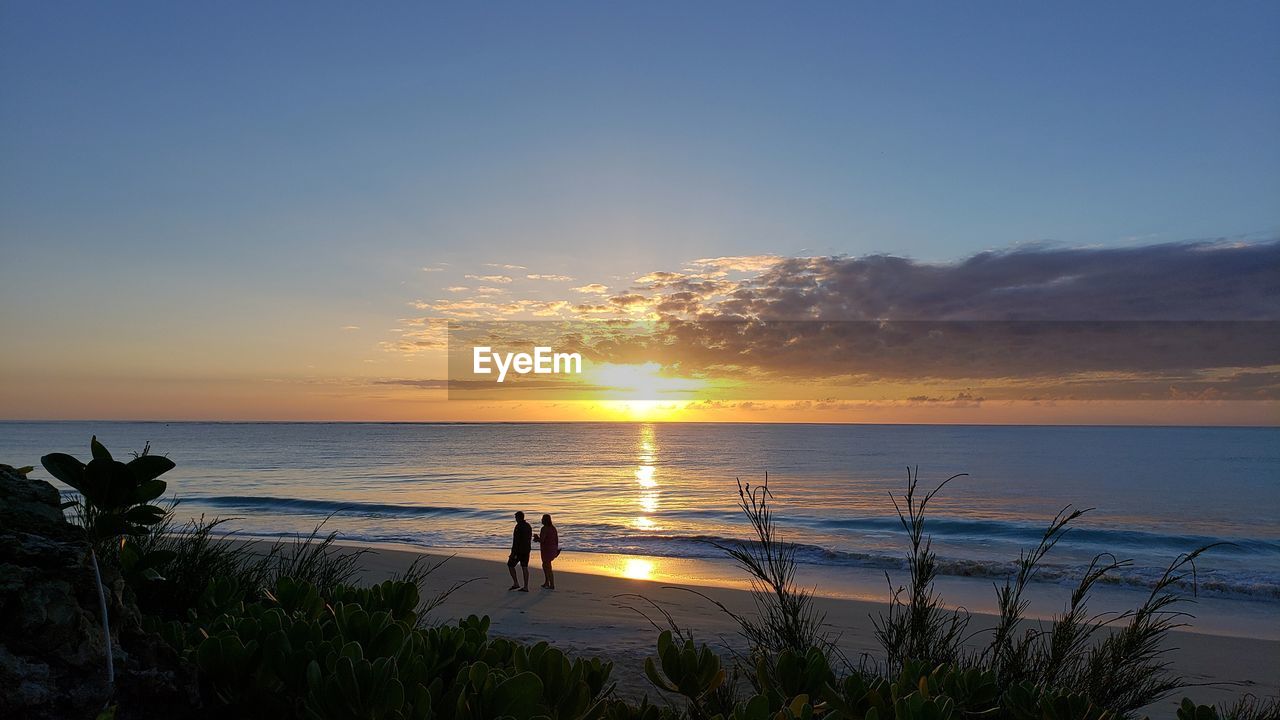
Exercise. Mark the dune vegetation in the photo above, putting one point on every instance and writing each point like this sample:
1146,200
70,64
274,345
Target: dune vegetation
289,633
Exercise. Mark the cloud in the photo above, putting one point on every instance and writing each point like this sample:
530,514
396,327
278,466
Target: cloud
350,327
514,383
1178,281
960,399
430,384
501,279
435,268
659,278
503,266
628,300
487,309
552,278
738,263
1185,320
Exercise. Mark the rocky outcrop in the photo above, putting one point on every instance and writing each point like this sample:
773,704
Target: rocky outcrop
52,650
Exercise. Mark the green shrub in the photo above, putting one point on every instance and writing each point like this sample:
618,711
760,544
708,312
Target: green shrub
358,652
114,497
684,669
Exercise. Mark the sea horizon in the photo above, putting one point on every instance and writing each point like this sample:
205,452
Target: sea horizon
669,421
667,490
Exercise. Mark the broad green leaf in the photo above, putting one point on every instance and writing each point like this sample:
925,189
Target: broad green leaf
108,484
149,490
144,514
65,468
150,467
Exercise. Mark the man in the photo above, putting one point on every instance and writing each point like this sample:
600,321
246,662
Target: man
521,545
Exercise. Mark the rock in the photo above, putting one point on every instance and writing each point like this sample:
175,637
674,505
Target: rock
52,650
31,505
51,645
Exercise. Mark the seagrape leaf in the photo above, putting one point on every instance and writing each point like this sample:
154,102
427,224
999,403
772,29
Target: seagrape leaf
99,450
65,468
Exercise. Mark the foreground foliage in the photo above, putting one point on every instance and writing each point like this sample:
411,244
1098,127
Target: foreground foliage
285,632
359,652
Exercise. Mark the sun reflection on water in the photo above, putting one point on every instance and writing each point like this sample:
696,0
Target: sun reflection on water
637,569
644,476
649,502
647,456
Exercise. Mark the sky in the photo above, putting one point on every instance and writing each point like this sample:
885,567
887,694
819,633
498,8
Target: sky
239,211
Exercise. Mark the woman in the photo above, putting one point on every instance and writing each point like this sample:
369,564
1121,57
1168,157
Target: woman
549,544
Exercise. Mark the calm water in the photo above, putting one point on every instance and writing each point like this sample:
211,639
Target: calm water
668,490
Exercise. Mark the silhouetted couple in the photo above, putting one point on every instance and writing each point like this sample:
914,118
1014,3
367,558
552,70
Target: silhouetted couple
522,539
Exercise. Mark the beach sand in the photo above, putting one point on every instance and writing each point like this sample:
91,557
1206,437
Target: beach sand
592,615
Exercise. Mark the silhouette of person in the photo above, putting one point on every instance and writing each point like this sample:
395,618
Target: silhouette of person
521,545
549,546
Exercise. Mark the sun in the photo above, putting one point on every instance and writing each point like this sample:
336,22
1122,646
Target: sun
641,409
641,392
643,381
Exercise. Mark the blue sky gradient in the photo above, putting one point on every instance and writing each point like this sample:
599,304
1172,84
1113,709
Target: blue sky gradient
255,173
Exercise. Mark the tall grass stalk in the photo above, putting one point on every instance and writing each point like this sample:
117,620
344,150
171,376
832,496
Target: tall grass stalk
198,552
1010,655
1129,668
919,628
314,559
1251,707
419,573
1118,661
1061,654
786,618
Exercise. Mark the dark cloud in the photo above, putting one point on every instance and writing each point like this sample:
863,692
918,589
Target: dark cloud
1188,320
1183,281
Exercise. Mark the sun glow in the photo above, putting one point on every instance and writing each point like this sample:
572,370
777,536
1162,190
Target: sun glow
641,392
644,476
642,409
637,569
644,381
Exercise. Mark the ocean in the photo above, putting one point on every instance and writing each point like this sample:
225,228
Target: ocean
669,490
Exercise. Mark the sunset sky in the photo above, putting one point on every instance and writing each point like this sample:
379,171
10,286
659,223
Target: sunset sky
247,211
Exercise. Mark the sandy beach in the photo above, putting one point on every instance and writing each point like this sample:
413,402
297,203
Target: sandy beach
595,614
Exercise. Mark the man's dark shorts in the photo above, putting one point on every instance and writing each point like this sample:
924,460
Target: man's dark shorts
521,558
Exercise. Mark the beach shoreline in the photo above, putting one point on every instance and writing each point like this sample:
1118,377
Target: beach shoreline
596,614
1216,616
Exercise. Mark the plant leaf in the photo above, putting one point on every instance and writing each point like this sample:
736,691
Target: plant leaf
108,484
100,451
150,467
65,468
149,490
144,515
